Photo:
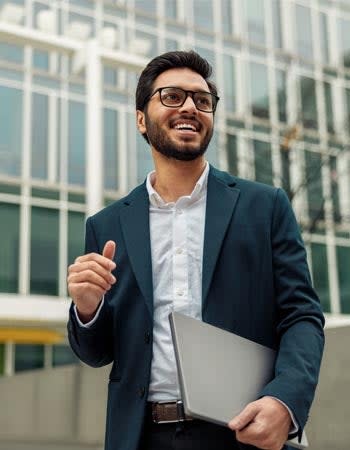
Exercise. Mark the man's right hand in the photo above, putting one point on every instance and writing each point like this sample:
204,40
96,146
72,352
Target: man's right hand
89,278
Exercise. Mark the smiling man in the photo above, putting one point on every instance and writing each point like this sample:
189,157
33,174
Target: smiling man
210,245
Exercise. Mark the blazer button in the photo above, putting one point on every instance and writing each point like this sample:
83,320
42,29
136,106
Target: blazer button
142,391
147,337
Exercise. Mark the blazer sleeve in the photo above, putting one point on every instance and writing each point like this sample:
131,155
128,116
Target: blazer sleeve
300,320
93,345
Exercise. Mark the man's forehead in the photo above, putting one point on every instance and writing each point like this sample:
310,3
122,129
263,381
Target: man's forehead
180,77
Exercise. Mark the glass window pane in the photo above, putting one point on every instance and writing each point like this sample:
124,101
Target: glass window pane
147,5
9,244
308,102
324,37
11,53
44,251
28,357
63,355
259,90
41,60
144,158
171,8
203,14
226,11
40,112
335,189
110,149
76,229
231,148
285,163
320,274
76,149
11,131
343,258
313,182
255,21
344,38
281,95
263,162
303,32
329,106
230,83
276,20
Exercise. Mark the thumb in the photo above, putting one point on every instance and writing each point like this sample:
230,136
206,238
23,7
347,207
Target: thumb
109,250
244,417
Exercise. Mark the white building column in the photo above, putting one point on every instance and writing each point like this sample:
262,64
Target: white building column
94,144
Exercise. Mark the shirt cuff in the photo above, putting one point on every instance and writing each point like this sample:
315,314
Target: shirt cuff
294,427
93,320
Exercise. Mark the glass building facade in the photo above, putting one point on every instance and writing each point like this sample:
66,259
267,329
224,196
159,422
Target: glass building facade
283,72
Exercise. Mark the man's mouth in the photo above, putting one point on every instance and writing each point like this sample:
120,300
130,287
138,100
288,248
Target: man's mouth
184,125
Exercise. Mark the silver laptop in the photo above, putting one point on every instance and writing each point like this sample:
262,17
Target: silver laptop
219,372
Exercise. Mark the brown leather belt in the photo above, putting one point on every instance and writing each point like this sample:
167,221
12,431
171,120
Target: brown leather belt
168,412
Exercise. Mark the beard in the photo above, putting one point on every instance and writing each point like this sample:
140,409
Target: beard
184,151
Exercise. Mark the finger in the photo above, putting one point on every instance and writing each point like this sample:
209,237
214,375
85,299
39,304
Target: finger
244,418
92,278
94,267
105,262
109,250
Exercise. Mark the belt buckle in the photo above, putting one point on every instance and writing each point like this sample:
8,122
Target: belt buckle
179,410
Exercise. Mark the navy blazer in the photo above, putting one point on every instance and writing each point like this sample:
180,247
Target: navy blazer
256,283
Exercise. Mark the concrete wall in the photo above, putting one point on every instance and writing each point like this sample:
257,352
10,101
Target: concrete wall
64,408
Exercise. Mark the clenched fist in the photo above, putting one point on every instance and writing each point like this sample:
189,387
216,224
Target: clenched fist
89,278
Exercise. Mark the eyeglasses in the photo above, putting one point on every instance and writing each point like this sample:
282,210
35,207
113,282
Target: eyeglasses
174,97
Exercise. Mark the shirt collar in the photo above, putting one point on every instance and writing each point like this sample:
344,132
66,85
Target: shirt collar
199,189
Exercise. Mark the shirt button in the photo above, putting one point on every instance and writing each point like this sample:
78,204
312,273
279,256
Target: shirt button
147,337
179,251
141,391
180,292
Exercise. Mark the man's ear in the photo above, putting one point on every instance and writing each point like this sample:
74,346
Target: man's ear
140,121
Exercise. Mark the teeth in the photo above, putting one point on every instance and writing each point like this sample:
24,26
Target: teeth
185,126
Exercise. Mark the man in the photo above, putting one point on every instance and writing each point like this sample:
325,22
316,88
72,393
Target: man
200,241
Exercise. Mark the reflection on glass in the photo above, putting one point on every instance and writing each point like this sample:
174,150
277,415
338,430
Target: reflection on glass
281,95
255,21
320,274
329,106
76,143
63,355
324,37
76,231
231,150
343,258
313,184
44,251
303,32
226,19
229,83
344,38
259,90
40,112
28,357
110,123
203,14
263,162
41,60
276,21
11,131
308,102
9,244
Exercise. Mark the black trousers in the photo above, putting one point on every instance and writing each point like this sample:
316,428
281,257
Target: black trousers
189,435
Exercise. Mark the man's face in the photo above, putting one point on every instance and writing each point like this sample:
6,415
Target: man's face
166,127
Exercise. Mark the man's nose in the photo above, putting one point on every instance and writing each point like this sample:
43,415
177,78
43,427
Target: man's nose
189,105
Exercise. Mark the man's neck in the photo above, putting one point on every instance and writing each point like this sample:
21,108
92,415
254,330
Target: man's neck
174,179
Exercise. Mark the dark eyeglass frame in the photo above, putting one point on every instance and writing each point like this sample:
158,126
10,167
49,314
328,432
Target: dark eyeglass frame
192,93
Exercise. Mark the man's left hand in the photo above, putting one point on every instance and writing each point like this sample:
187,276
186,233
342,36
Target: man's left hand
264,423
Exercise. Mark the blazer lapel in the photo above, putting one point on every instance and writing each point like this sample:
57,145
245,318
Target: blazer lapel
221,201
134,220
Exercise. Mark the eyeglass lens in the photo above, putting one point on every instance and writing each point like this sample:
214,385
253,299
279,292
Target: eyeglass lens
174,97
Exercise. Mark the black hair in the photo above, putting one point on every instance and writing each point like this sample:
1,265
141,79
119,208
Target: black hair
166,61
